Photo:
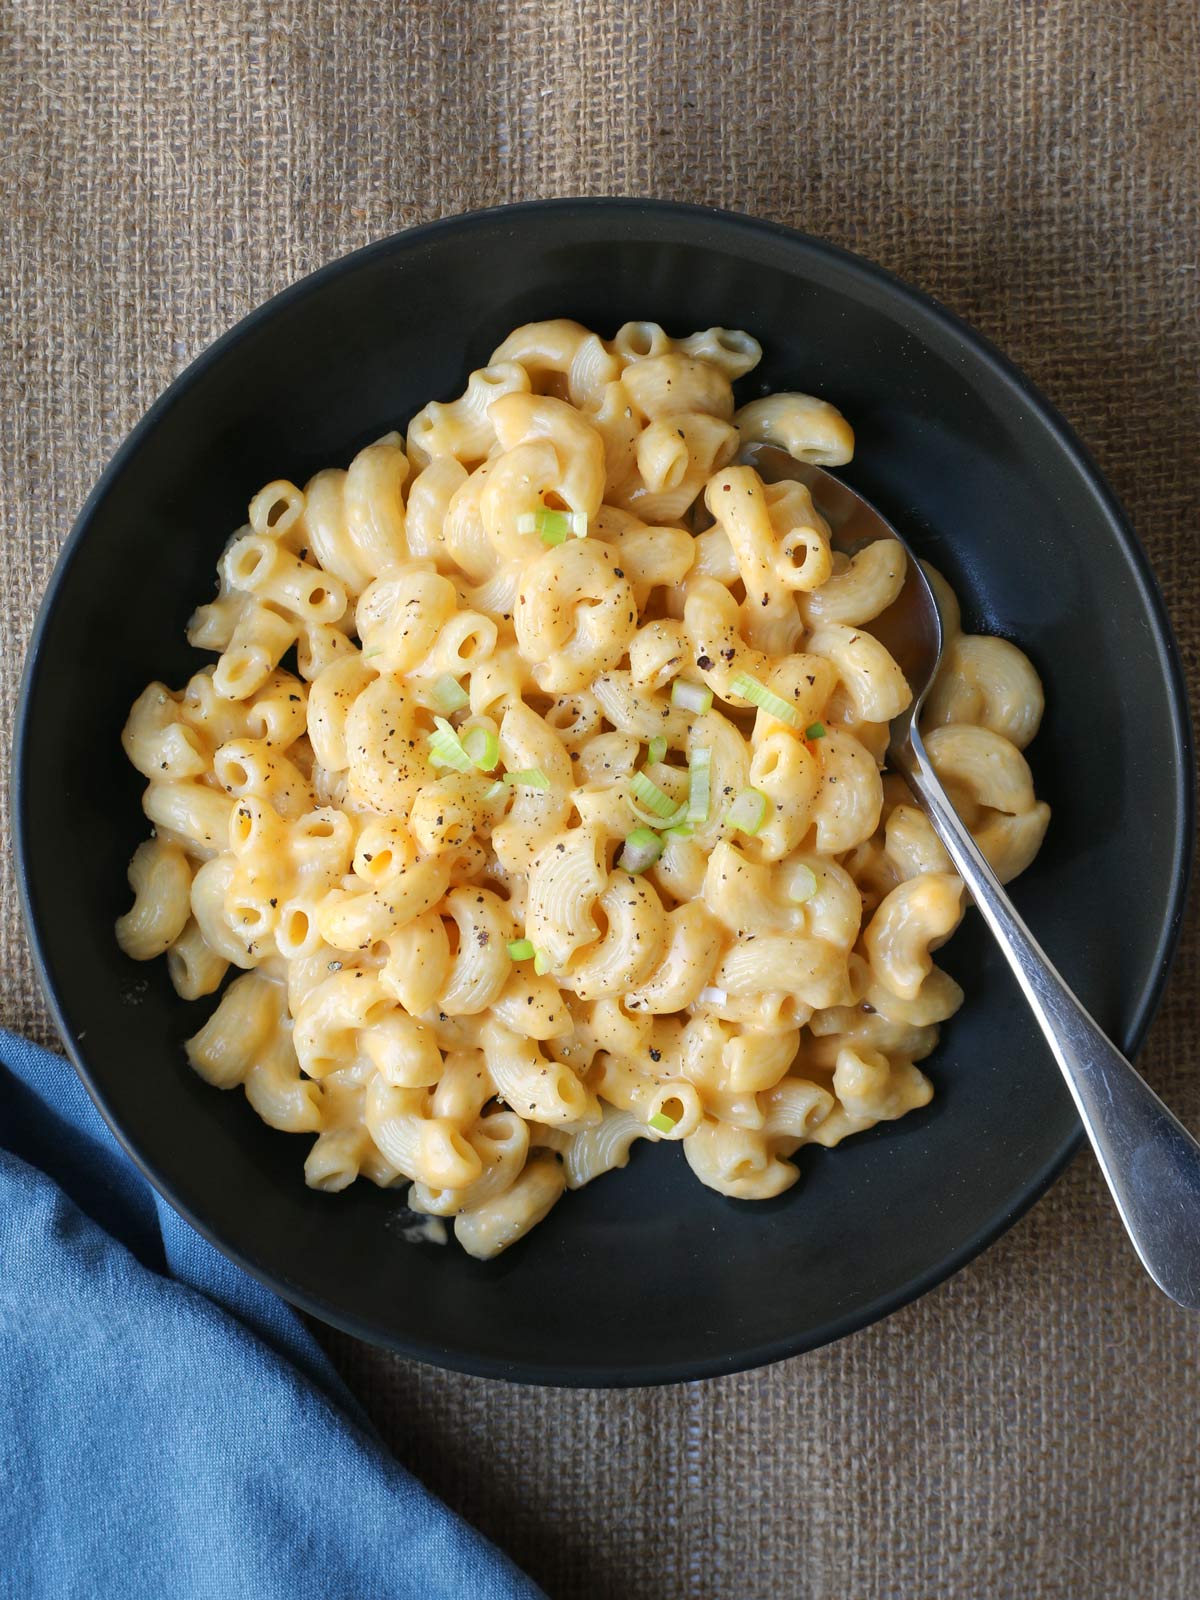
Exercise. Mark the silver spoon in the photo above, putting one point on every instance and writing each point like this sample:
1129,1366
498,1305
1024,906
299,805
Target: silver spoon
1150,1161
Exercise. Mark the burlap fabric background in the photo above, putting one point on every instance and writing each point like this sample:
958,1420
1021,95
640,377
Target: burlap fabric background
1032,1429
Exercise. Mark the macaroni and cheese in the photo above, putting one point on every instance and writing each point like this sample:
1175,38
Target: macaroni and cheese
535,794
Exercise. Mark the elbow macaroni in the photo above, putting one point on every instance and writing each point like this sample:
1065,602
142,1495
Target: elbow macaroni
412,845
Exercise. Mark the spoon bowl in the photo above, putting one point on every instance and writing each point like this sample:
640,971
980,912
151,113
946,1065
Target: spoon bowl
911,627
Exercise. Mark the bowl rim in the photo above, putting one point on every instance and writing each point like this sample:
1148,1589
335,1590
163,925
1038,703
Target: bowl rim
732,225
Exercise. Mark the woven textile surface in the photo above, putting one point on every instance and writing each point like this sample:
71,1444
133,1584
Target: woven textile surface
1032,1428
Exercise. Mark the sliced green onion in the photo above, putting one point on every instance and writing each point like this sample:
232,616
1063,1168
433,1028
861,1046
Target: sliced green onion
541,961
652,818
687,696
758,694
527,778
642,849
749,811
804,885
483,747
658,749
699,784
494,791
521,949
376,650
662,1123
448,695
555,527
815,730
683,831
445,747
653,798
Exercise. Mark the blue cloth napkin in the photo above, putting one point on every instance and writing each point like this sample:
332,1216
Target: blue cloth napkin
168,1427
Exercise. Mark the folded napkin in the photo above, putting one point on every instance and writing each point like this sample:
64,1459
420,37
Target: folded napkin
168,1427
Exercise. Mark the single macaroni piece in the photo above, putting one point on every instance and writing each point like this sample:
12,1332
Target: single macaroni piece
535,794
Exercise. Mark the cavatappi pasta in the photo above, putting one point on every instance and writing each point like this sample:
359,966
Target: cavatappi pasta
535,795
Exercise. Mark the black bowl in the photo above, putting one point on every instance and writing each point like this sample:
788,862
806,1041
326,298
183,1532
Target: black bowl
645,1276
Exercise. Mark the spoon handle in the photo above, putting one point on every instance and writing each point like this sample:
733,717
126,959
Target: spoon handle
1149,1159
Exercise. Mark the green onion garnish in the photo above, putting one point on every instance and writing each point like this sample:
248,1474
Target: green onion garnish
749,811
521,949
493,791
541,961
687,696
662,1123
804,885
683,831
527,778
483,747
653,820
642,849
653,798
447,694
658,749
699,781
555,527
759,695
815,730
445,747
